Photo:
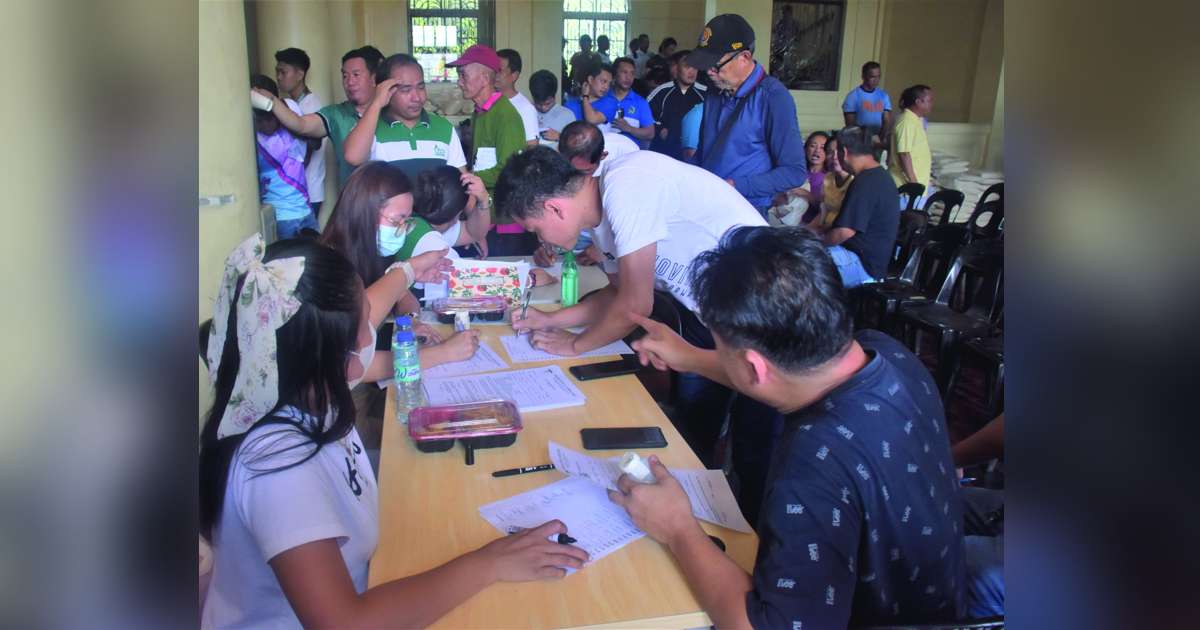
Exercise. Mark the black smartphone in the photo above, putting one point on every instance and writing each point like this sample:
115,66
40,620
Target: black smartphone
623,437
627,364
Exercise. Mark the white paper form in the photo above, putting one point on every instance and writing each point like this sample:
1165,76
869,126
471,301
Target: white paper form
599,526
534,389
484,360
519,350
707,490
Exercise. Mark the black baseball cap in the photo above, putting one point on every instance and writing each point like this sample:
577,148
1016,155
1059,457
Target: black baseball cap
725,33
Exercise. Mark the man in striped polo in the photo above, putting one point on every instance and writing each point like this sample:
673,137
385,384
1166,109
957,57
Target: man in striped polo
395,128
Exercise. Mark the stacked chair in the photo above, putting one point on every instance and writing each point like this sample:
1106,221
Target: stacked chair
945,281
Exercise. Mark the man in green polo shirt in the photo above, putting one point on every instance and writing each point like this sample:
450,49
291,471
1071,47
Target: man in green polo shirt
395,128
336,121
498,133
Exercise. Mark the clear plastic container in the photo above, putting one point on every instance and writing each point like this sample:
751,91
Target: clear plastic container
486,424
484,308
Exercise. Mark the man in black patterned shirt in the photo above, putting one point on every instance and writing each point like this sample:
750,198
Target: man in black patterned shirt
861,521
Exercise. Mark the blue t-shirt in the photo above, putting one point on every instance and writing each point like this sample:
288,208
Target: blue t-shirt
689,134
868,107
861,523
576,107
635,109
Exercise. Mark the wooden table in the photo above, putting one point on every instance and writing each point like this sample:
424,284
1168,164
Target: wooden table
428,515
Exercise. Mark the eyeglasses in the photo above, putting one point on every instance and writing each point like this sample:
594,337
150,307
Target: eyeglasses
401,225
717,68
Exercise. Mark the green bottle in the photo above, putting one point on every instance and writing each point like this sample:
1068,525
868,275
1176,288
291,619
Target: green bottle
570,280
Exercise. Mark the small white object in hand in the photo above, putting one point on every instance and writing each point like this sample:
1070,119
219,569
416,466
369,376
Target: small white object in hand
462,321
633,465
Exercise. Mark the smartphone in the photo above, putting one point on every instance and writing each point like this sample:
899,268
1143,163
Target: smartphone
627,364
624,437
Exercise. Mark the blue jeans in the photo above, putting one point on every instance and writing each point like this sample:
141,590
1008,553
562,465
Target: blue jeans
289,229
701,405
984,551
849,267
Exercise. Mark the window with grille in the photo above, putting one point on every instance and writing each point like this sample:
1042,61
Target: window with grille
806,43
595,18
440,30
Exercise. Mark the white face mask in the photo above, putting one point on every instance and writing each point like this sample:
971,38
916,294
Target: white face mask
364,357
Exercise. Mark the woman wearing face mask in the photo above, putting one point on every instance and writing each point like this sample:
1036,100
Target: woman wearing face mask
287,496
373,227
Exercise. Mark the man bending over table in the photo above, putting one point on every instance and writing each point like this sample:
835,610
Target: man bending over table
861,522
651,216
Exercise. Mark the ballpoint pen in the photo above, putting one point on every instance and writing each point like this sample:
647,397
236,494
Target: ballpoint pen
521,471
528,294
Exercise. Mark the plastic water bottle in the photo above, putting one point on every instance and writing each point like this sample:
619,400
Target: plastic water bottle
570,280
406,366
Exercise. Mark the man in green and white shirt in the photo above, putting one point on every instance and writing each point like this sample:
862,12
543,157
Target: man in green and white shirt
498,133
395,128
336,121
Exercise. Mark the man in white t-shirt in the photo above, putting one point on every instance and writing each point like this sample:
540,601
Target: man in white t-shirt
506,82
651,216
291,70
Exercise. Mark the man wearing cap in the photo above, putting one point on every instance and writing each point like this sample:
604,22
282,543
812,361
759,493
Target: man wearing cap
395,128
497,133
748,136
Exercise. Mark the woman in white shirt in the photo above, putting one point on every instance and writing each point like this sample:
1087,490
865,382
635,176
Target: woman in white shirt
287,496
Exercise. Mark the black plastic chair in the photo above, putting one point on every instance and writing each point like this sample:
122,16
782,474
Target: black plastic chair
994,189
205,331
932,254
986,353
908,234
966,307
950,200
914,192
987,221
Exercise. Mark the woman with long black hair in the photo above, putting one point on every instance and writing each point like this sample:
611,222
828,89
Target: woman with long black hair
373,226
287,496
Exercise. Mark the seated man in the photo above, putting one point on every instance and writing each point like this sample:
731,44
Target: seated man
864,232
861,522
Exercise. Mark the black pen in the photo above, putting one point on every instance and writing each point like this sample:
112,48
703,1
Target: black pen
521,471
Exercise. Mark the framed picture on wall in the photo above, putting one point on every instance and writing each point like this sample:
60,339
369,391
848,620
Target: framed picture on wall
806,43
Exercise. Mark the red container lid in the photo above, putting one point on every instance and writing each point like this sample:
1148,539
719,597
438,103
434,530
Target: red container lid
476,419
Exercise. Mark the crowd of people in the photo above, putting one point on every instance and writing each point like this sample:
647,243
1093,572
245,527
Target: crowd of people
683,172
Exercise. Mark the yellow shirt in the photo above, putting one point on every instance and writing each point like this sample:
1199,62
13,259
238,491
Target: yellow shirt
833,197
909,137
